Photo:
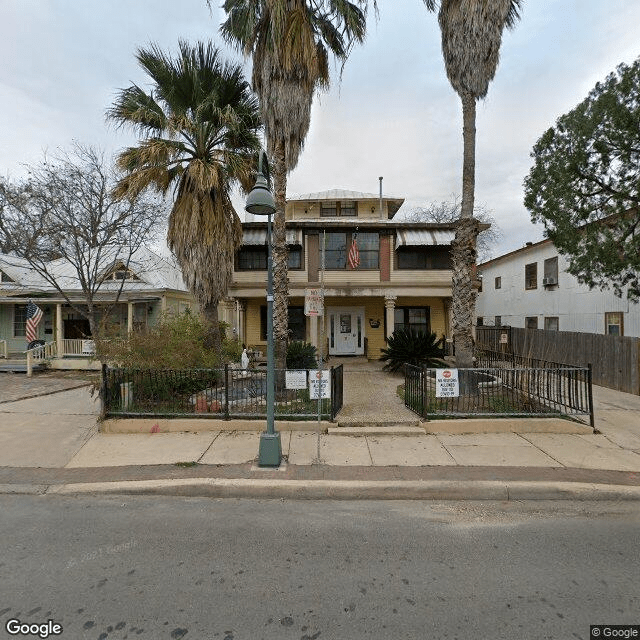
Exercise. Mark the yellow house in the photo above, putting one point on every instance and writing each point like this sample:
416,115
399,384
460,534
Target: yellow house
403,278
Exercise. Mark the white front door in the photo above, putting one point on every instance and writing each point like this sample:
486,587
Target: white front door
346,332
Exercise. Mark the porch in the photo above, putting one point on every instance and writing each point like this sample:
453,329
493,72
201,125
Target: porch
78,354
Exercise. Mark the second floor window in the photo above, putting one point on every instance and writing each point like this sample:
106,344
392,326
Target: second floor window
498,282
338,245
255,258
422,258
531,276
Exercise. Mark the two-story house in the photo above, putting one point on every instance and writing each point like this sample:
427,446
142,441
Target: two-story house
403,278
531,288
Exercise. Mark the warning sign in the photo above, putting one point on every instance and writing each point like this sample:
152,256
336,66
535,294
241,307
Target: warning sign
447,385
313,302
319,384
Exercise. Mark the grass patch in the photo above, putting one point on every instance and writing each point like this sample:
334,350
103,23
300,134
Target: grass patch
186,464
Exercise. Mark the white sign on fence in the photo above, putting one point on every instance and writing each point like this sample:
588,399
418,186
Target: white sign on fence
319,382
88,347
447,383
296,379
313,302
504,338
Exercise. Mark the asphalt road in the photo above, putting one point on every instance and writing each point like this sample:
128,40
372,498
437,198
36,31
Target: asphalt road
195,568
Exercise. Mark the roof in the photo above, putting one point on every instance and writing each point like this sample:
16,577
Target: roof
394,202
510,254
153,271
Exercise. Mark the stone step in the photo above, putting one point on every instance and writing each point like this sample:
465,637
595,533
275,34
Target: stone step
377,430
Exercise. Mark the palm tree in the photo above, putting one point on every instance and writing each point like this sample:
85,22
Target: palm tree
290,42
471,36
198,132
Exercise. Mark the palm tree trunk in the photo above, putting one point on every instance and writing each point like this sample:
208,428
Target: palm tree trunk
213,339
280,259
464,246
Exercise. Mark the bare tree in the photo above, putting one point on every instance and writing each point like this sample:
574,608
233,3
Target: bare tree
450,211
65,222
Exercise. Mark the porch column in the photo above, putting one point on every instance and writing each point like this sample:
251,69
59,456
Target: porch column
242,321
59,334
313,331
390,306
129,317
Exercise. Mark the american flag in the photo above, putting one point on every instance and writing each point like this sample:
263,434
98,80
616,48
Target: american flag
354,254
34,315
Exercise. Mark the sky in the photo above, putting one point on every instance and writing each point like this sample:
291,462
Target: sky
392,113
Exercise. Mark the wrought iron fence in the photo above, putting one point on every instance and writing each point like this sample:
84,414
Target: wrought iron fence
211,393
503,391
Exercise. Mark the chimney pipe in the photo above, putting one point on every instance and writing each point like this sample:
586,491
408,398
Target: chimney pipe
381,215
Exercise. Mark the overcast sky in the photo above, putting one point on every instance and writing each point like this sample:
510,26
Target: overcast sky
393,114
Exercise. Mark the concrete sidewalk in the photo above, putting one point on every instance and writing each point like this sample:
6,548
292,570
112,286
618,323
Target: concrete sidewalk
51,444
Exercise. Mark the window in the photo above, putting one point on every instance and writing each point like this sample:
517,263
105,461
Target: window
328,209
331,209
297,323
531,276
614,323
479,321
417,318
5,278
19,320
369,248
338,244
498,321
531,323
252,259
422,258
551,324
498,282
550,271
256,258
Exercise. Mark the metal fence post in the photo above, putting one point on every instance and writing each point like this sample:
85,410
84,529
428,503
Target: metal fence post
226,392
103,392
592,418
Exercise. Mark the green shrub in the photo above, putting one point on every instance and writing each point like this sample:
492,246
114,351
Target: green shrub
175,342
301,355
407,346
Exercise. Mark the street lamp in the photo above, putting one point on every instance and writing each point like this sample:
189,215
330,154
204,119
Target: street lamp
260,202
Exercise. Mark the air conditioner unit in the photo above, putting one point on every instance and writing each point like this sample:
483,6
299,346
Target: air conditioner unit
547,282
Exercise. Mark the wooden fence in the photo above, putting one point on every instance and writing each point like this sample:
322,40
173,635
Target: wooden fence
615,359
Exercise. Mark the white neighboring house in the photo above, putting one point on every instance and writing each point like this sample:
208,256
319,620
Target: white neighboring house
531,288
151,286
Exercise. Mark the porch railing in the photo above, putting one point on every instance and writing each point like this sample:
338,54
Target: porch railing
223,393
508,392
39,354
78,347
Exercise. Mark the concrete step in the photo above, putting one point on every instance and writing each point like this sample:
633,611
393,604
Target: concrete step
377,430
17,367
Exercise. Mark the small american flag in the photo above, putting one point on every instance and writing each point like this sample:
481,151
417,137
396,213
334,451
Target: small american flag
34,315
354,254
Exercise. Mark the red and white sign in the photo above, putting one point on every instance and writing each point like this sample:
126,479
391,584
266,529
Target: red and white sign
447,385
313,302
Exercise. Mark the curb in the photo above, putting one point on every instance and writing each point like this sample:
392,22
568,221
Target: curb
346,489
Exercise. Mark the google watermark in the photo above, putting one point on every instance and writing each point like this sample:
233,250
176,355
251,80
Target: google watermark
46,629
598,631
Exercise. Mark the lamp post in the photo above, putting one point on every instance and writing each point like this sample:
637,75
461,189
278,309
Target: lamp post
260,202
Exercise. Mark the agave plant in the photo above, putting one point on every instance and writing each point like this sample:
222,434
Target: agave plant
408,346
301,355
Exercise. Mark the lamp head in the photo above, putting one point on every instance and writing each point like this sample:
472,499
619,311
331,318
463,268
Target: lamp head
260,201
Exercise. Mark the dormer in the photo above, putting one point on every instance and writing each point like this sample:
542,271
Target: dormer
5,278
341,203
120,272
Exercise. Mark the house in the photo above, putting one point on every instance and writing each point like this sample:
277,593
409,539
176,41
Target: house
531,288
151,285
403,279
